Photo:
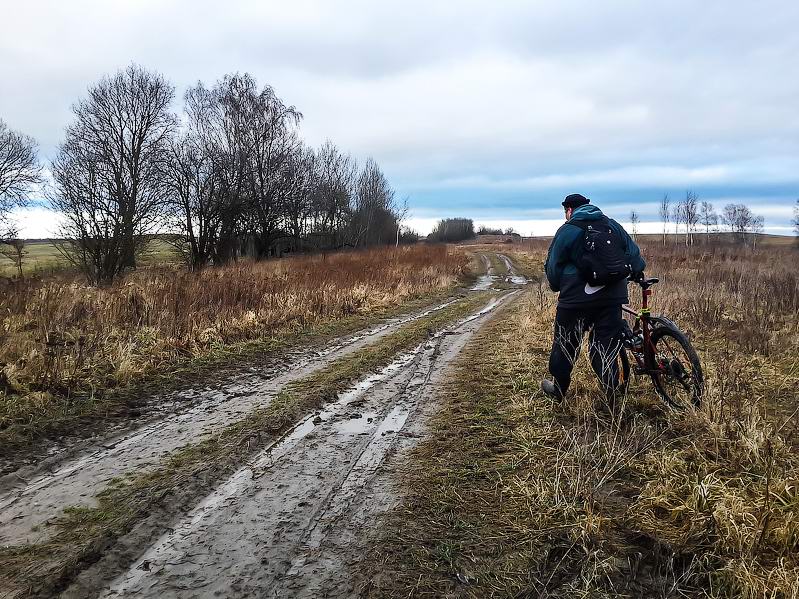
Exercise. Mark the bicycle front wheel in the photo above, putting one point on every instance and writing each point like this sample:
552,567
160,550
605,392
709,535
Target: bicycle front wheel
678,380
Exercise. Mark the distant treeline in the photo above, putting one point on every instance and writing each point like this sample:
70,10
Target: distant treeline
452,229
229,176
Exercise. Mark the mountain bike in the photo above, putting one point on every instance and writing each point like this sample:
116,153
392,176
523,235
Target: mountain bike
662,351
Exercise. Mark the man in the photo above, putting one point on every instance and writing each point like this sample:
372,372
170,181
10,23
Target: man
583,306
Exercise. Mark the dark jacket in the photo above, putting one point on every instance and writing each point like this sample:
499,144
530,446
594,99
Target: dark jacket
561,268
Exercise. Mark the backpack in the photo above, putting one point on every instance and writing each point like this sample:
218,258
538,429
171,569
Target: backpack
604,257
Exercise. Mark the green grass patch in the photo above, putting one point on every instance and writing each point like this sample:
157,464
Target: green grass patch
41,257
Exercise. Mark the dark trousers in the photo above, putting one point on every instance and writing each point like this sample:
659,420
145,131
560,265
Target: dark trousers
605,324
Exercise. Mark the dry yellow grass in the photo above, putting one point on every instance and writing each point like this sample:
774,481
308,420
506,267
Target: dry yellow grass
63,343
514,496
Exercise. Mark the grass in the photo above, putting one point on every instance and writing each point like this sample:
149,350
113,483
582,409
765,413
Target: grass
512,496
42,258
67,347
82,534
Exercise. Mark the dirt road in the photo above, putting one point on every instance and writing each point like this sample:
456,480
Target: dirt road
74,475
291,521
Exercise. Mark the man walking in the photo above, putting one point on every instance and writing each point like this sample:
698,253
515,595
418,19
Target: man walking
588,262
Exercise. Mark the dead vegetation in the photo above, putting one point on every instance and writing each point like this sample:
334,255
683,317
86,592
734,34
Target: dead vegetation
514,496
82,535
64,344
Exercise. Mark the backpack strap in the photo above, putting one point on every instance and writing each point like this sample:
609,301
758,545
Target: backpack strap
584,224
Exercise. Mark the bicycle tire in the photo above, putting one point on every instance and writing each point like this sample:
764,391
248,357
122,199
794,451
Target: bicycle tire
692,382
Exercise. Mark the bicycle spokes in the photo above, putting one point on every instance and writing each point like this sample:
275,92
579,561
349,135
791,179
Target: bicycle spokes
678,377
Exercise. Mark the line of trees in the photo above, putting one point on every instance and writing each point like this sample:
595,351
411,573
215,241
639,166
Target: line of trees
691,213
486,230
452,230
228,177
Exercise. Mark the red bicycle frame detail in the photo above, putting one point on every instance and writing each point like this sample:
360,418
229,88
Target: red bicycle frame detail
645,359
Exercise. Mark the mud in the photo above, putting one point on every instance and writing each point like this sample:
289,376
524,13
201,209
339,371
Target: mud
31,497
491,278
513,276
292,522
485,281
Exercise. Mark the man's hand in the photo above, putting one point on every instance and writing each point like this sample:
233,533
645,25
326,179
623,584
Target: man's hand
637,276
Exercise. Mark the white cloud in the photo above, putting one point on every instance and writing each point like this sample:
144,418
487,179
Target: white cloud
460,95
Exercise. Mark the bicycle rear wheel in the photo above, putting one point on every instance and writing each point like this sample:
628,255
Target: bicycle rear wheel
679,380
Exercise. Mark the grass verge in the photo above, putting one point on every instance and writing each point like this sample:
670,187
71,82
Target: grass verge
512,496
83,534
87,414
64,346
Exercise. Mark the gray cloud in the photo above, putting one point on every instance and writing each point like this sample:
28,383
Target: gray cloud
464,94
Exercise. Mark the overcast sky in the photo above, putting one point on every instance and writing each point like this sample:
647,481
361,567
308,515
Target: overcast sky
490,110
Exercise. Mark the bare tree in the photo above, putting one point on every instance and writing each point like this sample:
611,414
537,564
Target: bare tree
689,214
757,228
242,182
665,214
20,173
678,216
333,193
401,214
110,172
195,207
271,144
298,179
374,218
740,221
452,230
634,222
708,217
796,219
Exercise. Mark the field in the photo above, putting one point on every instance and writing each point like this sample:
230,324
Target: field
370,424
65,345
42,258
513,495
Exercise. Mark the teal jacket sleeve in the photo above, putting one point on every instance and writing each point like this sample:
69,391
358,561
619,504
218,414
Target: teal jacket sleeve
560,254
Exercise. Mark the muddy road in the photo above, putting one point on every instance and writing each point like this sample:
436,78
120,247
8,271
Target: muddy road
30,497
492,276
291,521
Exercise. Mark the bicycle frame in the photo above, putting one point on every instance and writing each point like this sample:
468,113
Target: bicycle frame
645,359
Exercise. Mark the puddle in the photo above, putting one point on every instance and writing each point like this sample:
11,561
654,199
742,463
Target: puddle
355,424
512,276
487,281
484,283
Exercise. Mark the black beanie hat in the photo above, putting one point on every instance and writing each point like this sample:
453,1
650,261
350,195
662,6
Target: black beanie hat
574,200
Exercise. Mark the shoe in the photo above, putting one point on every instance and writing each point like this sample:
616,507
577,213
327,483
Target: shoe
548,387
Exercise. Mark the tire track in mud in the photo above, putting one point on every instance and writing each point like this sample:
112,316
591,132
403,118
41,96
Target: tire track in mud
487,280
513,275
288,524
29,500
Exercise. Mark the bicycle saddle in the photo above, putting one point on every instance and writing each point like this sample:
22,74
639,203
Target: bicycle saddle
647,283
